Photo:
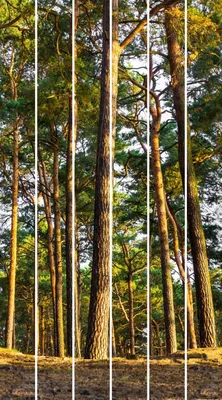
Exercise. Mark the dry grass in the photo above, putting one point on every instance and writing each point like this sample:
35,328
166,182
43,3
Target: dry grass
205,374
129,377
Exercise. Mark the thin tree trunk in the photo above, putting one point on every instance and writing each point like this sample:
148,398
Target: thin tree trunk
69,230
116,51
152,216
14,335
169,314
159,344
77,278
28,335
58,247
206,317
48,212
181,267
113,341
131,315
14,234
76,267
33,323
42,336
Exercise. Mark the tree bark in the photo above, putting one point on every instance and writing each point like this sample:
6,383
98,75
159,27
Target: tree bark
131,315
33,323
169,314
69,230
50,233
116,51
113,341
42,336
28,335
58,246
152,216
204,298
76,267
77,285
14,225
181,268
207,328
98,320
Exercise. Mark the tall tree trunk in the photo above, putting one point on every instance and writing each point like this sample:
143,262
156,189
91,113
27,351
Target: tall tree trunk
207,328
76,267
48,212
14,234
181,268
204,298
169,314
69,230
77,284
100,271
98,320
58,246
116,51
131,315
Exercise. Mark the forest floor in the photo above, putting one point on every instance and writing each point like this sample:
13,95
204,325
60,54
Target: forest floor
17,380
204,376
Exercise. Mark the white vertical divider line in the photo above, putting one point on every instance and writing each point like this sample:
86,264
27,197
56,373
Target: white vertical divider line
148,203
111,199
36,200
185,200
73,200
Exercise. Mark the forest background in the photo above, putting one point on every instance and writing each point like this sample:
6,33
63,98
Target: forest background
90,148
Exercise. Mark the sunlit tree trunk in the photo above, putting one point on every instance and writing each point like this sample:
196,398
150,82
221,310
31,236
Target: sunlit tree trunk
50,237
169,314
98,320
58,246
181,267
14,220
152,216
116,51
131,314
207,328
204,298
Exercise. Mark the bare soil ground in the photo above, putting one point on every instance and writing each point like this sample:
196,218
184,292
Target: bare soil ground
17,377
92,380
167,378
129,379
205,374
17,380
